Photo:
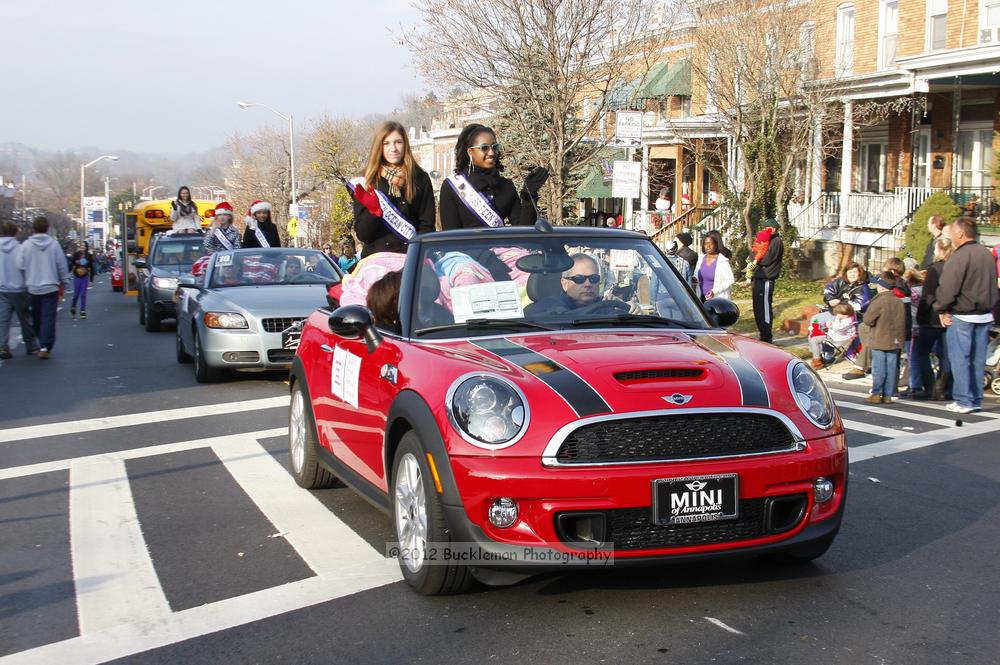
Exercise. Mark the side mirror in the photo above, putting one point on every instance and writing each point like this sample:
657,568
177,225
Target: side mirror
187,282
141,263
723,312
355,322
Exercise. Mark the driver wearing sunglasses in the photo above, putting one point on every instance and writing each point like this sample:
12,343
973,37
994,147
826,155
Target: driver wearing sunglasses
581,288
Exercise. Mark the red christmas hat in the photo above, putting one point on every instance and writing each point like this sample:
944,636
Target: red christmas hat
224,209
259,205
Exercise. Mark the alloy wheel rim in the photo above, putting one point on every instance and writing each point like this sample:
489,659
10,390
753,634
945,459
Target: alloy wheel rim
296,432
411,513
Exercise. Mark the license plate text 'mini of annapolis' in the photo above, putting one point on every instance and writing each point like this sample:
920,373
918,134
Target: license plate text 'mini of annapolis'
557,397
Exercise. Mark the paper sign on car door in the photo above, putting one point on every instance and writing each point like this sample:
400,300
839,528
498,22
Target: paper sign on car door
344,376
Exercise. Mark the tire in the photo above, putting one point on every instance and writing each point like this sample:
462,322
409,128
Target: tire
183,357
142,311
995,386
418,517
152,319
202,372
304,461
116,289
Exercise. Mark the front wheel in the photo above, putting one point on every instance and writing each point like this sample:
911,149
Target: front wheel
202,372
152,319
421,528
306,469
142,311
995,386
183,357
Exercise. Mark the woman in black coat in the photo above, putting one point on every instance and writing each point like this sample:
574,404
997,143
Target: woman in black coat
930,332
405,186
260,219
477,184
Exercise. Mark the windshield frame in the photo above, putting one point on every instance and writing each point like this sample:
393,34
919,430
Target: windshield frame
289,251
567,236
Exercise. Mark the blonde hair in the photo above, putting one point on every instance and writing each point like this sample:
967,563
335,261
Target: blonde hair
943,248
375,161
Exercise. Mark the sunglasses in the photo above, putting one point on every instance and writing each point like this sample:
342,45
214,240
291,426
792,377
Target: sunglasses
486,147
580,279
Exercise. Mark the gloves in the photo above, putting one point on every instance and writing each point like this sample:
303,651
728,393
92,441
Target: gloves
251,222
534,180
368,199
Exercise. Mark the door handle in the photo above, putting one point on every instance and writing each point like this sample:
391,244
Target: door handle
327,348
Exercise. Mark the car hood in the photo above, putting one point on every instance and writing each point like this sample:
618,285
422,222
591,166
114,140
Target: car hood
604,372
289,299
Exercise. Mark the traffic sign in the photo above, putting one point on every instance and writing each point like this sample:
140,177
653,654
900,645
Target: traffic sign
628,129
626,179
292,228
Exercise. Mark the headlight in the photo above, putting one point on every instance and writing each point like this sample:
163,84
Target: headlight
811,394
487,411
165,282
225,320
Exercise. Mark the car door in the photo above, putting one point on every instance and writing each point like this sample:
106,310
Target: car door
348,395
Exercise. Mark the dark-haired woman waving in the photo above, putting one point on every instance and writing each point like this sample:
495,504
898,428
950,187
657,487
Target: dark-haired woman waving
476,195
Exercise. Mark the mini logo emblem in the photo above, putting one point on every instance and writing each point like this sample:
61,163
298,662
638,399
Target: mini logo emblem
678,399
696,485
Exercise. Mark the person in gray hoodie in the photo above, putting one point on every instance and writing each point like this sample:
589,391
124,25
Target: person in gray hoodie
45,275
13,293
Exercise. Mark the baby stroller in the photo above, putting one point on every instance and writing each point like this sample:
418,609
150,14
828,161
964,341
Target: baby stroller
992,379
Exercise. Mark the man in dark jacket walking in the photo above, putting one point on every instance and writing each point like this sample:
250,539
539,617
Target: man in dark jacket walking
685,251
964,302
764,275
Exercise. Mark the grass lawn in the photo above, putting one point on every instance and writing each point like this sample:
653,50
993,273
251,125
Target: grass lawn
790,295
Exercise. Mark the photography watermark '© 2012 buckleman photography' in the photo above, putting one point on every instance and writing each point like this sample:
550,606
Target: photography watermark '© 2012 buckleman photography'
472,553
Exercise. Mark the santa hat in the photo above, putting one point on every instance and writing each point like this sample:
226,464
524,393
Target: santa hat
224,209
255,207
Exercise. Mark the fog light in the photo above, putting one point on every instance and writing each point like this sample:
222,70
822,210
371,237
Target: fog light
822,490
503,512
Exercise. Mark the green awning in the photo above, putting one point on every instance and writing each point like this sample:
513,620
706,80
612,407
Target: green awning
622,96
597,183
665,80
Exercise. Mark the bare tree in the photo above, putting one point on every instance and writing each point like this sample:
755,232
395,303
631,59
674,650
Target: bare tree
541,59
58,182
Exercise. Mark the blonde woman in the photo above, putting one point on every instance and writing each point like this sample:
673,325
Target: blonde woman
394,199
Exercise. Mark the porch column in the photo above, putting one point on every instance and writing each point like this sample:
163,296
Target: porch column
816,168
699,183
678,179
846,159
644,179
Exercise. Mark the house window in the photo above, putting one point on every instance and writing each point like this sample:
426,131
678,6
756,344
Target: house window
921,174
662,112
586,109
888,30
873,167
937,25
845,40
974,159
990,13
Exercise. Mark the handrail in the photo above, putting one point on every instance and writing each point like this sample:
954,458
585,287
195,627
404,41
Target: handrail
695,213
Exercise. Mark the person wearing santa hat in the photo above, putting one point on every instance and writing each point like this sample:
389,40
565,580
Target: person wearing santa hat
260,230
222,235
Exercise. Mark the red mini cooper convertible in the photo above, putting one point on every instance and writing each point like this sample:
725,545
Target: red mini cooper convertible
549,396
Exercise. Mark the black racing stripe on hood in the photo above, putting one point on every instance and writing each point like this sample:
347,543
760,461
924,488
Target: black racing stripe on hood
751,382
579,394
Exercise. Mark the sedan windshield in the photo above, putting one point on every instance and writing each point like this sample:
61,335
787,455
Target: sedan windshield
178,255
272,267
469,288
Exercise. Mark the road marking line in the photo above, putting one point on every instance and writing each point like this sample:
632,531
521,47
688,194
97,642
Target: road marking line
921,440
115,580
145,418
920,404
899,413
324,542
877,430
133,453
728,629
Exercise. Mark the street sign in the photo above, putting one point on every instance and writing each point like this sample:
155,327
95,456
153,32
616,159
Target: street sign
628,129
626,179
292,228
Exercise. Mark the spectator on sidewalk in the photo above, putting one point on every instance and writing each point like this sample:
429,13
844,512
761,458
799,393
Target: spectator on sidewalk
45,275
965,300
713,272
347,259
886,320
13,293
685,251
863,363
930,333
82,269
851,287
833,331
935,225
764,276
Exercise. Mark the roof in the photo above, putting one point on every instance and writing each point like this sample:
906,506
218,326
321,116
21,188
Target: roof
665,80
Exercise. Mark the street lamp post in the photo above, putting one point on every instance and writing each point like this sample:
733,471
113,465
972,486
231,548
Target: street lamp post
291,148
83,212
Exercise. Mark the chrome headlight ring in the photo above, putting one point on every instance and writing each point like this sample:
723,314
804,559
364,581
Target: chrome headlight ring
487,410
811,394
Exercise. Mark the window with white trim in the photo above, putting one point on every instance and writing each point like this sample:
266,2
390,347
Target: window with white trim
807,51
937,25
845,40
989,14
713,76
888,33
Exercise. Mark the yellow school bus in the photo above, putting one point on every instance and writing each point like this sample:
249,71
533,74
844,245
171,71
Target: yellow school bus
142,223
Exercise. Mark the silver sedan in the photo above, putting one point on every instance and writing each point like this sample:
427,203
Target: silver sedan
232,316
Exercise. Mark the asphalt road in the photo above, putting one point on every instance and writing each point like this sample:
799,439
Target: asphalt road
176,536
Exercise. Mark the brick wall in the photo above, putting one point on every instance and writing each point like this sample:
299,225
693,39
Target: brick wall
900,151
941,137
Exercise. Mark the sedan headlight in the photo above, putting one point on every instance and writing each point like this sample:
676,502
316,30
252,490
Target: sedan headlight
225,320
811,394
487,411
165,282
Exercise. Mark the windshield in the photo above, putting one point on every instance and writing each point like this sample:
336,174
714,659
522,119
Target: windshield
273,267
471,288
178,255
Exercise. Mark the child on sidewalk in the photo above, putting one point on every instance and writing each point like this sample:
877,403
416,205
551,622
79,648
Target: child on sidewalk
837,328
886,319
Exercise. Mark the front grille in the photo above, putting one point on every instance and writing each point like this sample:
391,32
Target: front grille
682,436
277,325
650,374
280,355
633,528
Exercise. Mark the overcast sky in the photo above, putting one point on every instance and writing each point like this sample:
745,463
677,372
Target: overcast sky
165,75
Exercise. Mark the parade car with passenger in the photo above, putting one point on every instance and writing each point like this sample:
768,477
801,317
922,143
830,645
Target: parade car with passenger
171,255
238,312
549,396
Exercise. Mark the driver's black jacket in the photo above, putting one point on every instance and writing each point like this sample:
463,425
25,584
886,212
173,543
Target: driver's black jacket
554,305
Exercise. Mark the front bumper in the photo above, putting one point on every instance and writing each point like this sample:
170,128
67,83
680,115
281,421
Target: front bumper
543,494
162,301
245,349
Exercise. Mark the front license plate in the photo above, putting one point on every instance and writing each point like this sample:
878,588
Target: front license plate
696,499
